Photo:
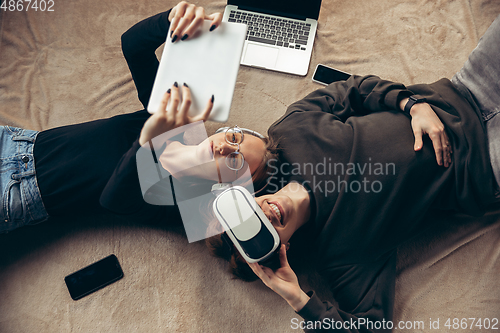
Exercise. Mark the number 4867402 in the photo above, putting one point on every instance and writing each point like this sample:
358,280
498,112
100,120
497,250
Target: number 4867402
25,5
472,323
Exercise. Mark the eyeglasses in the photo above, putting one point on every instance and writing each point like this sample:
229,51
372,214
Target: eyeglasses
234,136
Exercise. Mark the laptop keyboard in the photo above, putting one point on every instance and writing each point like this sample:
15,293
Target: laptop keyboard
272,30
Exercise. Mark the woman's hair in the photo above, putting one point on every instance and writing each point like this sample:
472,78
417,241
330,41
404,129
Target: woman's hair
216,245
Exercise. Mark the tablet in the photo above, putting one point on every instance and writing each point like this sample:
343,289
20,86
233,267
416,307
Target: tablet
208,63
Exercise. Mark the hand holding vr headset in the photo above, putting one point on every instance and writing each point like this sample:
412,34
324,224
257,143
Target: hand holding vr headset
257,241
282,281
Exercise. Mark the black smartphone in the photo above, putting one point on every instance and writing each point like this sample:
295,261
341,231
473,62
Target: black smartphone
326,75
94,277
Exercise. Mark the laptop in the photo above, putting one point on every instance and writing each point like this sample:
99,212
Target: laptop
280,33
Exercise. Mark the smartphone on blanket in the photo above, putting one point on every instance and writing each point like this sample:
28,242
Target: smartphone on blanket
93,277
326,75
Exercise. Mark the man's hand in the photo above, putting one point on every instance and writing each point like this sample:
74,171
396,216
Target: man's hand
283,281
186,18
425,121
172,116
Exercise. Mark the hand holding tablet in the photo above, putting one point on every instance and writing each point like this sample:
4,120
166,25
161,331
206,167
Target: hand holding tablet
208,61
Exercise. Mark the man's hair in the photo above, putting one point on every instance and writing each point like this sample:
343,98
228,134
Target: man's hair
238,267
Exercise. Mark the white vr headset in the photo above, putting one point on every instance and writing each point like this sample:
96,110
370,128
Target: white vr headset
245,224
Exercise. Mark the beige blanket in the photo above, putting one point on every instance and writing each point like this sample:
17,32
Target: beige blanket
66,66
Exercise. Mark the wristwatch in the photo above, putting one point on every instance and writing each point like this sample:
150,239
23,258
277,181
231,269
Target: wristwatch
412,101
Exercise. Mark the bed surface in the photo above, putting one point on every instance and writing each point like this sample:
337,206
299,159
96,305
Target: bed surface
66,66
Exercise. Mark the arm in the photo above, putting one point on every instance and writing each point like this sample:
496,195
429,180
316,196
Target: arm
359,96
363,293
122,194
139,44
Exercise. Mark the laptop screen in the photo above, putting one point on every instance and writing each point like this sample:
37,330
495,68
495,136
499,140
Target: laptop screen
300,9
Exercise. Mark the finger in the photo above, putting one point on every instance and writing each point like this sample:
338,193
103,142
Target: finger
174,104
257,269
417,133
162,109
282,255
438,147
254,268
269,273
447,149
216,19
171,16
184,22
195,23
206,113
178,13
182,118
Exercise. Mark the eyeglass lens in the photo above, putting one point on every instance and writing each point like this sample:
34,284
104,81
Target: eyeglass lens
234,135
235,160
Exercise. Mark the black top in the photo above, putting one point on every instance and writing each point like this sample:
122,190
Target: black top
348,139
76,164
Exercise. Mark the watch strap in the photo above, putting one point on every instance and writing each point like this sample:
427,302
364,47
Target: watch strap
412,101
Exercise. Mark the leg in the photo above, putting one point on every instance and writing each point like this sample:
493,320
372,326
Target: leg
480,76
20,199
481,72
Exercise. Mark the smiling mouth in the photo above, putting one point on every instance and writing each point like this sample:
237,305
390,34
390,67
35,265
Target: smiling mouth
275,208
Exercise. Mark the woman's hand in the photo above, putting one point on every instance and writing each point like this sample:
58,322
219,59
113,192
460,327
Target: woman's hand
425,121
283,281
172,116
185,18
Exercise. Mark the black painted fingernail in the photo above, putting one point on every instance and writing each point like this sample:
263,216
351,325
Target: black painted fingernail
174,38
212,28
168,91
185,85
212,98
184,37
171,33
175,84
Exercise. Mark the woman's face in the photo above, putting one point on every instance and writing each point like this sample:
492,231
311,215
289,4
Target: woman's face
287,210
198,160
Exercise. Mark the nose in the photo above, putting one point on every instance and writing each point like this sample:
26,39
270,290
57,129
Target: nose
260,201
226,149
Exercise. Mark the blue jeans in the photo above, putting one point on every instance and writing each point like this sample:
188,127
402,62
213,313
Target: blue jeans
479,80
21,202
